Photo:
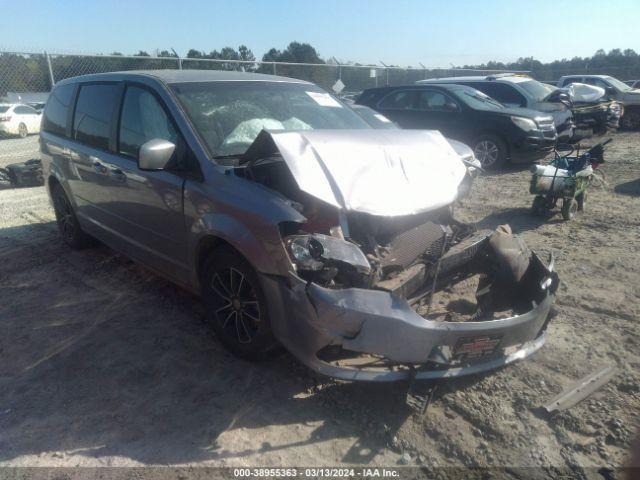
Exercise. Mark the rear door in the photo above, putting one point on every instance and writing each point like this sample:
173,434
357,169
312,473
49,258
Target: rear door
439,111
29,117
147,206
400,106
89,152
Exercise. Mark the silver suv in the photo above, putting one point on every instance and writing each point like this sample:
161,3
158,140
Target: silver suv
627,95
297,223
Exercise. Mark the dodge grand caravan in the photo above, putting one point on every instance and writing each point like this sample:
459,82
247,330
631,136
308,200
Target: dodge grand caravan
297,223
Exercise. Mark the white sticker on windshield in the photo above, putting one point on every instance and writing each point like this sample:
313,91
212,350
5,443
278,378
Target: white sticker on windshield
324,99
382,118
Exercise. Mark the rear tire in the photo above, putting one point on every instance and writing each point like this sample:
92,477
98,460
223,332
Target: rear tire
67,221
236,306
491,151
539,206
569,208
22,130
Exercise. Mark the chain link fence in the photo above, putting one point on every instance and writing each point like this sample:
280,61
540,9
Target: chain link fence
27,78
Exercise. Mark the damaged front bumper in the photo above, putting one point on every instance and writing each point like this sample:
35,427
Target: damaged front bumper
387,340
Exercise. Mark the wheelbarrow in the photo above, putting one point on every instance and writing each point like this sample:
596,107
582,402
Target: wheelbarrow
567,178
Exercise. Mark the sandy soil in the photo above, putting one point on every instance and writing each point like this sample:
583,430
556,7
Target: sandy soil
105,364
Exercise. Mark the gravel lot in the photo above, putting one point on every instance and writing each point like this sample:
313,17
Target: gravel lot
105,364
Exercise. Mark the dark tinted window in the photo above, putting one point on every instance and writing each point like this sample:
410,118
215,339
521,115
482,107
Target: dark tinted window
569,81
505,94
92,117
435,101
596,82
142,119
401,100
55,113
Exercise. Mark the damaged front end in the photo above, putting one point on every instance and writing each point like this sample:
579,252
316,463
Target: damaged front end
381,296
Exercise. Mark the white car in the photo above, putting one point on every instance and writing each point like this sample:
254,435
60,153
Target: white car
18,119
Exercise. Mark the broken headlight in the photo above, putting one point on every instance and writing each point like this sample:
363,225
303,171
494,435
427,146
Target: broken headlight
323,258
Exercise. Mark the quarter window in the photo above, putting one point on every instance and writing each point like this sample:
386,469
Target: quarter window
402,100
92,117
142,119
57,109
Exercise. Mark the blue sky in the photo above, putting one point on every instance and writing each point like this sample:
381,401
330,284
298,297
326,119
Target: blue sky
402,32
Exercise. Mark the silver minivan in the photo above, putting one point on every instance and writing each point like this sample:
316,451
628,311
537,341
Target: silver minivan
298,224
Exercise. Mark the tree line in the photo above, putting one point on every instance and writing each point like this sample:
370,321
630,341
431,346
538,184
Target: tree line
29,73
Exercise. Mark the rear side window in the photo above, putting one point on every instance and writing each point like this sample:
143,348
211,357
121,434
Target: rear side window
142,119
92,117
24,110
57,109
569,81
402,100
435,101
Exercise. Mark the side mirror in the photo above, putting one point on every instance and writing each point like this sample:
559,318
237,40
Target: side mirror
155,154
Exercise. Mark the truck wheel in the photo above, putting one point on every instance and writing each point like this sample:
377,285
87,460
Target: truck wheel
67,221
569,208
22,130
236,307
491,151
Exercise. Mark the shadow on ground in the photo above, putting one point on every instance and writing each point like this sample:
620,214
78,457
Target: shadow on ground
629,188
103,359
519,218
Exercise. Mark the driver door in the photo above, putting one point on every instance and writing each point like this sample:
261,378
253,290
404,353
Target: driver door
147,206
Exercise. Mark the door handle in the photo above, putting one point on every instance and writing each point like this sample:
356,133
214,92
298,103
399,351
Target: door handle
99,167
118,174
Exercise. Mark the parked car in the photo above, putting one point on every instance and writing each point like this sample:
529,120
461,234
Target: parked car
18,119
297,223
628,96
573,122
495,132
37,106
379,121
633,83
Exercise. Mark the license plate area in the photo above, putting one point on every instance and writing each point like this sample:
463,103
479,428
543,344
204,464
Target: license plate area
473,348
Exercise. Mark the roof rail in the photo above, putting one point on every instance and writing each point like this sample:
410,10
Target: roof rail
494,76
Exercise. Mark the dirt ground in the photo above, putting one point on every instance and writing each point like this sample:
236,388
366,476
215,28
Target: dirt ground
105,364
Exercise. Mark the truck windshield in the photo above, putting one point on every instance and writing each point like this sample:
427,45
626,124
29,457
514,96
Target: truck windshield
230,115
617,84
538,90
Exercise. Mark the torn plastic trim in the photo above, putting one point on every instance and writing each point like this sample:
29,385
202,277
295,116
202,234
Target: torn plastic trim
355,374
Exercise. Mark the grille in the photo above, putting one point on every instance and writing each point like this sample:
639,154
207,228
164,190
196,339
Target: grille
406,247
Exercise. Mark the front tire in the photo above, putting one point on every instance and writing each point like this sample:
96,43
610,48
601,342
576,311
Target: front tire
491,151
67,221
236,306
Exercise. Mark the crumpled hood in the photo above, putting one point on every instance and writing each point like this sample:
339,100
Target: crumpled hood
380,172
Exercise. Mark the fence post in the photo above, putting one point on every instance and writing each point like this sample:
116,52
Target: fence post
51,78
387,71
274,68
179,63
